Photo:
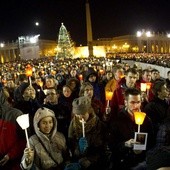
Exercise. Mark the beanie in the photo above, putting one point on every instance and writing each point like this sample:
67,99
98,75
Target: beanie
41,113
81,105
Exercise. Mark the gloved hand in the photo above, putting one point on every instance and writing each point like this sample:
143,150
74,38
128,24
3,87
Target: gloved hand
72,166
29,155
83,144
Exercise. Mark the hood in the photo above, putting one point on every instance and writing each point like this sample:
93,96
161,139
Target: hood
40,114
90,72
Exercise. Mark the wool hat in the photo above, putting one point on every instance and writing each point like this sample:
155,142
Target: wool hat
42,113
81,105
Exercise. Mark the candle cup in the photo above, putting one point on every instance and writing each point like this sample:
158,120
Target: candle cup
143,87
139,118
109,95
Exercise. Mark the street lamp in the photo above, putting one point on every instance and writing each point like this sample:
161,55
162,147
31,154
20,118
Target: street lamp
146,34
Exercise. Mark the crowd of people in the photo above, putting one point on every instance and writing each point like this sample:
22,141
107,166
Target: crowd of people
73,125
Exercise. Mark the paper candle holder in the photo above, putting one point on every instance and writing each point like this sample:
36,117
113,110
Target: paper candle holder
143,87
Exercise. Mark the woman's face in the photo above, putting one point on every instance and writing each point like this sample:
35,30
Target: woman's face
49,83
84,116
67,91
46,124
88,91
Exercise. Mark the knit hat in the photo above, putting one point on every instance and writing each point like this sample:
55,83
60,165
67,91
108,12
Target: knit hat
81,105
39,115
23,86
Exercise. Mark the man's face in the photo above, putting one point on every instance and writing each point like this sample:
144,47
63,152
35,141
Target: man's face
52,96
147,76
155,75
133,103
164,93
118,74
131,79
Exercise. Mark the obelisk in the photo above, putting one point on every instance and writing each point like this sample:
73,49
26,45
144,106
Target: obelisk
89,29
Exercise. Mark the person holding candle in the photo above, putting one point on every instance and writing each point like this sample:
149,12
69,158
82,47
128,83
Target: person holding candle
48,148
114,82
98,88
86,135
117,102
27,102
122,133
86,89
12,137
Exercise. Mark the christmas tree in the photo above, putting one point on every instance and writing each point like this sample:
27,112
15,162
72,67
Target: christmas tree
64,43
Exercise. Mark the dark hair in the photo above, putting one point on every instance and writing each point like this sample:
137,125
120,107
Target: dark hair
157,87
117,67
131,70
145,71
131,91
154,70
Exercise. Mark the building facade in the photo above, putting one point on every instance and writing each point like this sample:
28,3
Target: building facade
155,43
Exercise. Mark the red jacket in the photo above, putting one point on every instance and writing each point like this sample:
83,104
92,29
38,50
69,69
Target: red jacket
12,138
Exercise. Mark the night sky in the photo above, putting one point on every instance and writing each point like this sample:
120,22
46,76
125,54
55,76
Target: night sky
109,18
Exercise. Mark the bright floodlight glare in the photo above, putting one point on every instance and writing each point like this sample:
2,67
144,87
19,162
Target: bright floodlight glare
139,34
148,34
168,35
33,40
2,45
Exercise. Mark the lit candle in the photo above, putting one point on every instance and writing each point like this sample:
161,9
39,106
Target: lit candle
83,128
148,86
101,71
109,95
139,118
23,121
143,87
29,73
80,77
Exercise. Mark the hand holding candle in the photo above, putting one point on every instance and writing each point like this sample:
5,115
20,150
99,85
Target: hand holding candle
83,128
23,121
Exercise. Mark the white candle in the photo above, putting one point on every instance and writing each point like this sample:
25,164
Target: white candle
83,129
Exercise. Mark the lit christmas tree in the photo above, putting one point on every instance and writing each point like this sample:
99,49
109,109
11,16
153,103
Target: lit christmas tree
65,46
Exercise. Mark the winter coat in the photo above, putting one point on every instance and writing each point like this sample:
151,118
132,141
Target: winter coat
95,135
12,137
55,144
98,88
122,130
157,110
